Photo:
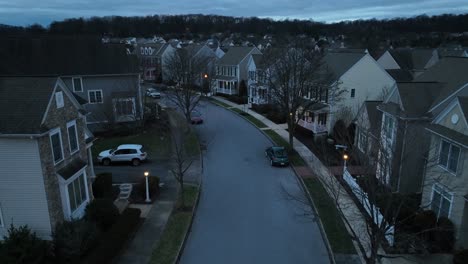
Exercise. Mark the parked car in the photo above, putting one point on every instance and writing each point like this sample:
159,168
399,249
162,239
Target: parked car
196,118
277,156
124,153
151,92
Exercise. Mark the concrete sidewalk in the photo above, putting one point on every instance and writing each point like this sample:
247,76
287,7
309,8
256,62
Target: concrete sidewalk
356,222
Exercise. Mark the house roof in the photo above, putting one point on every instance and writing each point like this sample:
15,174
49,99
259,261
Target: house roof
449,134
63,56
72,168
400,75
417,97
193,49
453,71
463,101
412,59
257,58
235,55
341,62
23,102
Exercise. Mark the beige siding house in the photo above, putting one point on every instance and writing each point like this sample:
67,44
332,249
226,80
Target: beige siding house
446,176
45,154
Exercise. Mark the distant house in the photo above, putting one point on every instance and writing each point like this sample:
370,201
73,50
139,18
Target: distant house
231,69
361,79
415,60
256,83
367,135
403,141
151,57
445,187
45,154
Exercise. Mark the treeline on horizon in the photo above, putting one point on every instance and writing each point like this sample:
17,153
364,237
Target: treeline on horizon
186,25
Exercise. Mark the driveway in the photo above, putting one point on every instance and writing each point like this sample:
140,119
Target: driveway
244,214
125,173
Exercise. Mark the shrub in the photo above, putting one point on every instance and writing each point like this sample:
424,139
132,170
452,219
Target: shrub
72,240
423,221
262,108
115,238
153,182
21,245
460,257
277,116
443,236
103,212
102,186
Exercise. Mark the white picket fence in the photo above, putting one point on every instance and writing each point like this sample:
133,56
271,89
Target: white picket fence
363,199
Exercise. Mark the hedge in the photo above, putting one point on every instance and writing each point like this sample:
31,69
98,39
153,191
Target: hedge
102,186
115,238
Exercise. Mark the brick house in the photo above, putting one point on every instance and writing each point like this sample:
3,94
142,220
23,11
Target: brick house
45,154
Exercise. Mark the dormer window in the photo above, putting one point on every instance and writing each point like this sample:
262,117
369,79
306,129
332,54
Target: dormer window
59,99
77,84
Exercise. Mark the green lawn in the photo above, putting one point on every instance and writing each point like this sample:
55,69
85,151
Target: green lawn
174,232
156,143
255,121
220,103
191,144
335,229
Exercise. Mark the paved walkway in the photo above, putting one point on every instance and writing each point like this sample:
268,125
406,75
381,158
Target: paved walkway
352,214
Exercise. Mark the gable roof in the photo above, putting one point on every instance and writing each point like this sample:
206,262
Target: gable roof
257,59
235,55
341,62
463,101
23,56
453,71
417,97
412,59
400,75
193,49
23,102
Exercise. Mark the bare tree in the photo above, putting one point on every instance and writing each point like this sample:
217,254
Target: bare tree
182,160
187,70
293,74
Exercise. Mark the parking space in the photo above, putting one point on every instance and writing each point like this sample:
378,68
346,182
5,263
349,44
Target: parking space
125,173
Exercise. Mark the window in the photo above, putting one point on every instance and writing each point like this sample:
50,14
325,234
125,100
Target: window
77,194
448,156
362,141
353,93
441,201
1,217
95,96
59,99
388,127
77,84
72,136
56,143
124,107
322,119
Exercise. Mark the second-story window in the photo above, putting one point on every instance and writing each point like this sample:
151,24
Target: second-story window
56,144
77,84
353,93
389,125
448,156
95,96
72,136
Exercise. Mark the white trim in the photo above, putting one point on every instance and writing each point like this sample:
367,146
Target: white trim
89,98
445,112
73,84
391,94
51,133
59,83
68,214
70,124
445,190
2,223
448,97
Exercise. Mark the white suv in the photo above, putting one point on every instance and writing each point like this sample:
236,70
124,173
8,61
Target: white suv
123,153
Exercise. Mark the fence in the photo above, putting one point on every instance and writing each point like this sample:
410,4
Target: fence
371,209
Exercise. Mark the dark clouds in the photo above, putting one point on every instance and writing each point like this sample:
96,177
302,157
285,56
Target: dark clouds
26,12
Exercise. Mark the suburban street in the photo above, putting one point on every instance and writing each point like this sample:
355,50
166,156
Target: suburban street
244,214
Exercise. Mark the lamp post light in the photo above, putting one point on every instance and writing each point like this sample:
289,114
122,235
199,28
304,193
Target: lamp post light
148,200
345,158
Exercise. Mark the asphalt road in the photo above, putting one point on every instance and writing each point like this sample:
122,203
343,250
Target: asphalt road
244,214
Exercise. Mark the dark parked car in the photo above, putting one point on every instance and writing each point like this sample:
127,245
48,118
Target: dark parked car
277,156
196,118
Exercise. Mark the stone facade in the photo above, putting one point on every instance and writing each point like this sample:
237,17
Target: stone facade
58,118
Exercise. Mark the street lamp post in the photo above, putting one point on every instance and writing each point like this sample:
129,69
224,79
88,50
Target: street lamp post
345,158
148,200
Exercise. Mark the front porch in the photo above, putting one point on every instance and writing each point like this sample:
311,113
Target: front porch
227,86
258,95
315,122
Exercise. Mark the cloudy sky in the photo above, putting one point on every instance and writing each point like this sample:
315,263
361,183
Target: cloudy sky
27,12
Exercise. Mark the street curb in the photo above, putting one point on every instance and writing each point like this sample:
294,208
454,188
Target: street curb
318,220
194,210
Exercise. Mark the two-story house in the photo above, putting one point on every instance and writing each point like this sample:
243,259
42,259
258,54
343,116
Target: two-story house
445,187
356,77
403,141
256,83
45,154
151,57
205,58
231,69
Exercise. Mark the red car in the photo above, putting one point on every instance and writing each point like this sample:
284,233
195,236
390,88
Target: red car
196,118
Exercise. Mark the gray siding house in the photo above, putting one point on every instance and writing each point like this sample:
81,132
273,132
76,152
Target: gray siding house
45,154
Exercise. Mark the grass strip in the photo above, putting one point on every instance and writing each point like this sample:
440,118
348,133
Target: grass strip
174,232
294,157
220,103
338,236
